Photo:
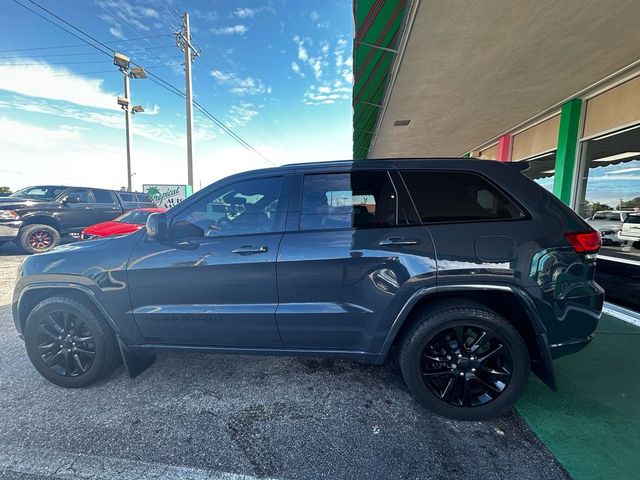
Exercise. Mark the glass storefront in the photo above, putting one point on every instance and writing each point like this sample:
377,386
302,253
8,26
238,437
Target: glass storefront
608,190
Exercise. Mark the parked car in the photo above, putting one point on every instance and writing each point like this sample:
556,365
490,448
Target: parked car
630,232
36,217
608,223
472,271
128,222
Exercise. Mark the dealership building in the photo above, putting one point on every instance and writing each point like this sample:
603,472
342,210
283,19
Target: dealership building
554,84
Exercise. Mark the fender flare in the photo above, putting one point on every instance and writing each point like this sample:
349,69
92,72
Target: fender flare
65,285
28,217
543,369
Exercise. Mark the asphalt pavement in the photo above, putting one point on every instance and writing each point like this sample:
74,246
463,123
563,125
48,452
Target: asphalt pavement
194,416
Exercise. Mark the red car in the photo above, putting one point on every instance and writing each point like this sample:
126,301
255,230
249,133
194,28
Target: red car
128,222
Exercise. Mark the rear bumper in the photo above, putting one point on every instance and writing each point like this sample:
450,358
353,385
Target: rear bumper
570,346
628,238
9,230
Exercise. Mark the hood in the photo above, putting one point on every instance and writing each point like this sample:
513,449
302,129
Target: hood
106,229
12,202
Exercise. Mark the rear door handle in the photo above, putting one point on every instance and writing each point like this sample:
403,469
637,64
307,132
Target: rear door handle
88,208
250,250
398,241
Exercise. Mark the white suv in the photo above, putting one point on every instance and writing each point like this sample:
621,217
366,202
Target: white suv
630,231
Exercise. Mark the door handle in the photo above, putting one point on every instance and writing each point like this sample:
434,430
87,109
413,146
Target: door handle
250,250
398,241
88,208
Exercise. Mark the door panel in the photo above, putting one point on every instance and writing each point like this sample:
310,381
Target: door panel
214,282
105,206
76,216
342,289
201,293
345,265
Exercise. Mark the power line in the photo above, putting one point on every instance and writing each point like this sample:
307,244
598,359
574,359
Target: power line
76,54
76,45
164,83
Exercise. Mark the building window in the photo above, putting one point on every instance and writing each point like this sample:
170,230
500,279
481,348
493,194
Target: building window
608,189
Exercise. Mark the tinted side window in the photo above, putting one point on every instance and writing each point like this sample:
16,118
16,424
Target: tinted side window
127,197
240,208
102,196
346,200
144,198
83,195
457,196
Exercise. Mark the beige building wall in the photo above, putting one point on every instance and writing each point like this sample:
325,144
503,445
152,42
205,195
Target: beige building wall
614,108
537,139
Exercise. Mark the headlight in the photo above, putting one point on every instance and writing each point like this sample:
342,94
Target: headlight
8,215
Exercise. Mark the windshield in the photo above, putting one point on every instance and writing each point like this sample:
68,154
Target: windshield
136,217
39,193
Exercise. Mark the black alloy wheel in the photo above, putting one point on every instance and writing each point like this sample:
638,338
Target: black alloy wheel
466,365
69,342
66,344
464,361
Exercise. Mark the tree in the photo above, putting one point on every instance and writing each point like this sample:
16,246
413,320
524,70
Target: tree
5,191
633,203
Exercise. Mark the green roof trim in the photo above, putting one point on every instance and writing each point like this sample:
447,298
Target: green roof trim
377,24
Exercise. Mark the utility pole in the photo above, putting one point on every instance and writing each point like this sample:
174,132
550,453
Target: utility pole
124,64
183,40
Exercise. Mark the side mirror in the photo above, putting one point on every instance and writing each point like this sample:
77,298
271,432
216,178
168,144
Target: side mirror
72,199
157,226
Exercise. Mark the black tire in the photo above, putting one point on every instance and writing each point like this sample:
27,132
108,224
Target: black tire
38,238
85,368
452,387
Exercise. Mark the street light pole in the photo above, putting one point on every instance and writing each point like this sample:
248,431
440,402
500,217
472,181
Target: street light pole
124,64
127,117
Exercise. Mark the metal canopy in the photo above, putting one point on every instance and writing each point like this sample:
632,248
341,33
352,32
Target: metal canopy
472,70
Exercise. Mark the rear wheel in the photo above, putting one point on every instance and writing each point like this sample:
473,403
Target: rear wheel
464,361
68,343
38,238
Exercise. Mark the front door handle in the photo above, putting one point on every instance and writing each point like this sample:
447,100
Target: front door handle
398,241
250,250
88,208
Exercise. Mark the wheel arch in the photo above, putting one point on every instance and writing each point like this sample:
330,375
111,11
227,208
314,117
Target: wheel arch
42,219
33,295
512,303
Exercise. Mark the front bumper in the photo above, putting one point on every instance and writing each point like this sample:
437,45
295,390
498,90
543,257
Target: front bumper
9,230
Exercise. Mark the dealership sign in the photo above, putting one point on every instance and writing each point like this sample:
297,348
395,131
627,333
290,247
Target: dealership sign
167,196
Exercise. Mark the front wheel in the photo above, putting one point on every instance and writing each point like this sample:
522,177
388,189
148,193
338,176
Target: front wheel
38,238
68,343
464,361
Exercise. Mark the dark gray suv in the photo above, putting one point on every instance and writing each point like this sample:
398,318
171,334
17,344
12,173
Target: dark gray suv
475,273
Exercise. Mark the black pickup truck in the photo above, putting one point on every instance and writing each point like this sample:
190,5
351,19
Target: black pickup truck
36,217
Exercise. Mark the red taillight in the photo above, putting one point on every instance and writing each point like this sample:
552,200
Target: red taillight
584,242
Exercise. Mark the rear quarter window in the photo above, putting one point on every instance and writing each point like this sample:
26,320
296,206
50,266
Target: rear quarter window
127,197
458,196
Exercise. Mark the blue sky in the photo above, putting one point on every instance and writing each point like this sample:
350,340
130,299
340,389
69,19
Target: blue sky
277,72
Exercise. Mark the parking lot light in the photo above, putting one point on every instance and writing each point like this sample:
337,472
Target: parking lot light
121,60
137,109
138,72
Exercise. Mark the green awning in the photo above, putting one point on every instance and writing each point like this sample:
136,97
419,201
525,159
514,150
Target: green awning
377,25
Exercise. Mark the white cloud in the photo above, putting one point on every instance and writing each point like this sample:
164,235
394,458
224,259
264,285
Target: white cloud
235,30
116,32
296,69
207,16
40,80
245,12
326,93
240,86
240,115
314,15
